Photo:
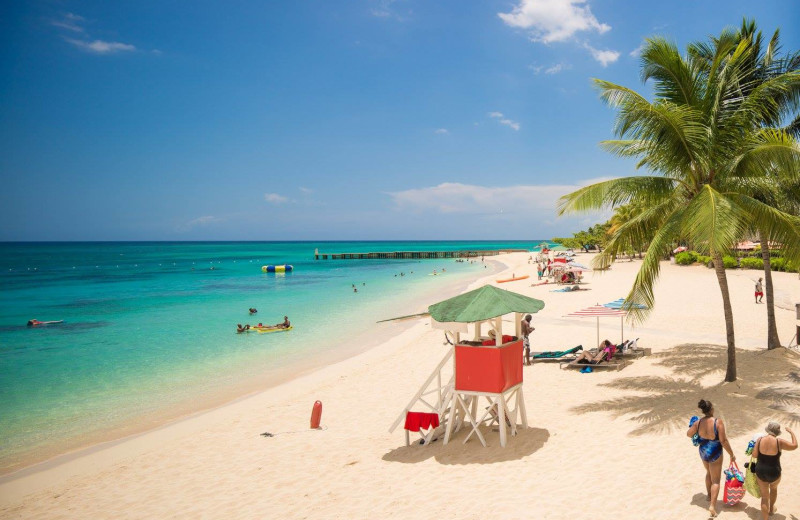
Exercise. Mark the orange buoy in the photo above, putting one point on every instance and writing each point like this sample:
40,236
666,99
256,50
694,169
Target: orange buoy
316,415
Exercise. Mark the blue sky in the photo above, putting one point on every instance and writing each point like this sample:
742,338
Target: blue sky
365,119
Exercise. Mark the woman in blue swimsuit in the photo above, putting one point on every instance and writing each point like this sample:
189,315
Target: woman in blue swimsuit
713,439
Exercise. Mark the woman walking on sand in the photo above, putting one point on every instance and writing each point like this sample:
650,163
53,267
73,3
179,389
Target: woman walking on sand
767,453
712,438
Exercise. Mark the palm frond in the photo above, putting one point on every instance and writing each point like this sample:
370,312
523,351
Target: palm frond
712,219
661,244
675,81
616,192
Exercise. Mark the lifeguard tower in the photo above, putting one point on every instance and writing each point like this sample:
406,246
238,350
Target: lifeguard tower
474,370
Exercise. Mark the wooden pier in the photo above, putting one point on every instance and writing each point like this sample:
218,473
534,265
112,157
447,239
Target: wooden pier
405,255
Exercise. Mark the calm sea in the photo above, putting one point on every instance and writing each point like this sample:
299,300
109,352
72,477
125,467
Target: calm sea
149,328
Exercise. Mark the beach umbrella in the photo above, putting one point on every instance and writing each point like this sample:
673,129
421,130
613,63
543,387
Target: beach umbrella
483,304
558,248
597,311
576,264
617,304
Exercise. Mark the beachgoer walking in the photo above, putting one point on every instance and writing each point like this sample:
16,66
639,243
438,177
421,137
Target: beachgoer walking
712,439
527,328
759,291
767,453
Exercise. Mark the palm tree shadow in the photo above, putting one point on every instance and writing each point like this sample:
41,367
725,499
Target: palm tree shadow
768,388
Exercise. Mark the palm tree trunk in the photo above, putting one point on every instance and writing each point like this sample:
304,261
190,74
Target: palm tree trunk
772,328
719,267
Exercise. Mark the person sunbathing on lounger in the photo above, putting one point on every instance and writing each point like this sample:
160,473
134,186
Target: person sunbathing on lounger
604,353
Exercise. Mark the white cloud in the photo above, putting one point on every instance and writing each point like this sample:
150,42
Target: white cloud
454,198
558,67
305,190
536,68
604,57
637,51
553,20
505,121
441,131
274,198
69,21
101,47
384,9
74,23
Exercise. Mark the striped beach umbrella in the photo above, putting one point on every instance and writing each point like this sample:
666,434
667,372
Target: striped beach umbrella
617,304
598,311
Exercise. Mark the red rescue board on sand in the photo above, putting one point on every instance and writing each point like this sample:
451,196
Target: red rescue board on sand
488,369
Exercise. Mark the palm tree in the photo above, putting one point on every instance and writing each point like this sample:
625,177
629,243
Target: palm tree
703,139
765,64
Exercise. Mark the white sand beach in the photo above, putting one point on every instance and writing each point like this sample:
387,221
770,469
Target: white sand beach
600,445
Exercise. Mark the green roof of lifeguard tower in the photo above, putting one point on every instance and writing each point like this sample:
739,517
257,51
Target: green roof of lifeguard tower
483,304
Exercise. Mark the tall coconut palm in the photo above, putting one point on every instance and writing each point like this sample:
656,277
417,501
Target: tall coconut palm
702,139
766,64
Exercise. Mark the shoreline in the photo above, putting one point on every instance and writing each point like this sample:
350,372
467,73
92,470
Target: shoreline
149,423
357,469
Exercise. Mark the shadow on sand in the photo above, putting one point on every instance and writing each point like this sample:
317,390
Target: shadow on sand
526,442
768,388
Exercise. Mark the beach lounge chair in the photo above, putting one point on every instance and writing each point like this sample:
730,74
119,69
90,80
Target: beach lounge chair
630,348
605,363
556,355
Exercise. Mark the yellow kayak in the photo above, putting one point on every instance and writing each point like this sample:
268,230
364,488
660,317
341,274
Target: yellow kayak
264,330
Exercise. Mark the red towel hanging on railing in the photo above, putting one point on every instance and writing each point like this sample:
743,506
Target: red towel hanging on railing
423,420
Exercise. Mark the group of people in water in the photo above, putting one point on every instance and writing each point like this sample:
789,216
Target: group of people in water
285,324
710,436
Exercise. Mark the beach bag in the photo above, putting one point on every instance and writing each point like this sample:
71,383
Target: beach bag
696,436
734,485
750,483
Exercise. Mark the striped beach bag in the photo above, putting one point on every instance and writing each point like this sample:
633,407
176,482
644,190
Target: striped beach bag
734,485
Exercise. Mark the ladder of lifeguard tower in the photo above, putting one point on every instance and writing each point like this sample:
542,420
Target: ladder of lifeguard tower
433,387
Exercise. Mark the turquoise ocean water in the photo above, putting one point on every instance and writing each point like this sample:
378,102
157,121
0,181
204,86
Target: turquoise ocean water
149,328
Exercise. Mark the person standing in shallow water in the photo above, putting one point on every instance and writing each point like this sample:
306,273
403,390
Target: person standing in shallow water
767,453
712,439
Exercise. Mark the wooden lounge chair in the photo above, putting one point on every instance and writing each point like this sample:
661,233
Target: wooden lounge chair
615,364
631,349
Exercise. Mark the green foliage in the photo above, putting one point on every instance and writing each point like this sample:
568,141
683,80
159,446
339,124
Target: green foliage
592,238
792,266
686,258
570,243
705,260
729,262
777,264
751,263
